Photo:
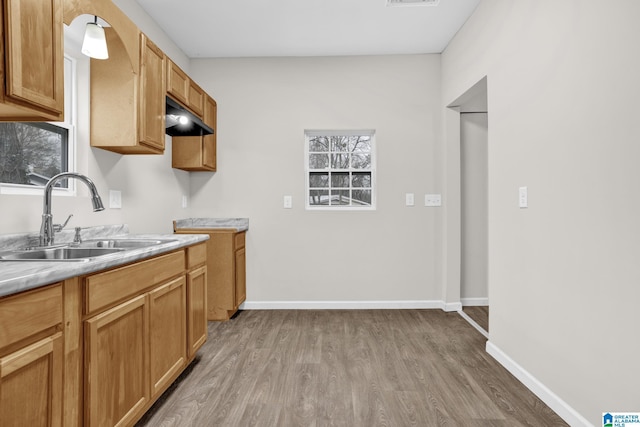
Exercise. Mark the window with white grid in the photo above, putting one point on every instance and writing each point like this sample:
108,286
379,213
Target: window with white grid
340,169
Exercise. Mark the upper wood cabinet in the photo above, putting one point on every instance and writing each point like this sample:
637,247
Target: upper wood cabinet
184,90
197,153
177,83
127,104
196,98
151,95
32,62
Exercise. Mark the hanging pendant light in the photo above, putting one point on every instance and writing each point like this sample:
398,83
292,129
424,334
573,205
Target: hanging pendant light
94,44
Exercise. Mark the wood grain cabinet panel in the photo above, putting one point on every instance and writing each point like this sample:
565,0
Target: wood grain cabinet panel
33,63
31,358
196,309
31,384
116,355
177,83
168,330
104,289
226,270
241,276
184,90
152,95
28,313
196,98
128,97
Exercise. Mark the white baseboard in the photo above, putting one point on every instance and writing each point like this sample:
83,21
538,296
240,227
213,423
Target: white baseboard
348,305
467,302
473,323
452,306
566,412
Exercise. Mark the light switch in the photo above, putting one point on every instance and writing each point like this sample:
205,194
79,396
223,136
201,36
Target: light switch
523,198
288,202
185,201
115,199
432,200
409,200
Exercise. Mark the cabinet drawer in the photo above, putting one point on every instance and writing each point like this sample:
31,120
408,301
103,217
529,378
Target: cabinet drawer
106,288
196,255
239,240
28,313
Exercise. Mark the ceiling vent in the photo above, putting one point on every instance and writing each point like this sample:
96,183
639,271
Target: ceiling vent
412,2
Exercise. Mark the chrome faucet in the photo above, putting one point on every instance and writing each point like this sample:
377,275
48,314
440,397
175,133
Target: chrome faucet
48,229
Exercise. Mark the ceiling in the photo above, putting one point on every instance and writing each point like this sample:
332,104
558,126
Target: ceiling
258,28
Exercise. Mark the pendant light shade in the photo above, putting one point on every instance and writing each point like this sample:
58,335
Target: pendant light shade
94,44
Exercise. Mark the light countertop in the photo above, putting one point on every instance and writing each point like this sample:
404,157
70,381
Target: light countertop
18,276
238,224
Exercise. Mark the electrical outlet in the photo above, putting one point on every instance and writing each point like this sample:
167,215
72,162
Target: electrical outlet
115,199
409,199
432,200
288,202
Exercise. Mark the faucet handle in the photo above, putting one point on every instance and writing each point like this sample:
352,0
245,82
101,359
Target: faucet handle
78,238
58,227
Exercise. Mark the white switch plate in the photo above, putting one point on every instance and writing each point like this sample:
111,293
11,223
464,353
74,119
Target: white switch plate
432,200
409,199
115,199
288,202
185,201
523,197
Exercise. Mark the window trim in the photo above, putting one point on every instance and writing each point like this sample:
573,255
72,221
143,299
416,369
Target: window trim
309,133
69,123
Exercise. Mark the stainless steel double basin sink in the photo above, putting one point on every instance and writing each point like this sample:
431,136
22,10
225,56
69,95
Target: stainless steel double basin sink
85,251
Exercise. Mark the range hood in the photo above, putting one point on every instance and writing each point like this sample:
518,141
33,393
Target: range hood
181,122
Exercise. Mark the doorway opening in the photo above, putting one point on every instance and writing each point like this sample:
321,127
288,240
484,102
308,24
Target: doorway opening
473,165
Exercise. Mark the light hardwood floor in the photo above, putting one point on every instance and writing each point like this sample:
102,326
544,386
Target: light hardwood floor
347,368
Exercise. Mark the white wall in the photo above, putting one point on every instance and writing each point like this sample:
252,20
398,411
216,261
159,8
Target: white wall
264,106
563,93
474,172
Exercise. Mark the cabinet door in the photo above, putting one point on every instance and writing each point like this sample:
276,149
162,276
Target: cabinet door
196,309
31,384
152,95
116,353
34,57
196,98
177,82
209,141
168,317
241,276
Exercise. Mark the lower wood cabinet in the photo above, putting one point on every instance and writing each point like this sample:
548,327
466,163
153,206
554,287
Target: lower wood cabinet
116,355
98,350
31,358
31,384
226,270
167,333
196,309
134,350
